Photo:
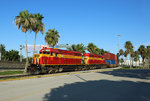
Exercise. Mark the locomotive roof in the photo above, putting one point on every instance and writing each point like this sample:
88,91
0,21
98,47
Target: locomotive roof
110,56
55,50
92,55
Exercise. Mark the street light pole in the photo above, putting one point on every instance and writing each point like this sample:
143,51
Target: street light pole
118,42
118,46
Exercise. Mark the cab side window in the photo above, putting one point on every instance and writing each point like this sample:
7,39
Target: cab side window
56,54
51,54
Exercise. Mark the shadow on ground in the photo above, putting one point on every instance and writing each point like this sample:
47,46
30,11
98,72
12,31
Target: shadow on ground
101,90
133,73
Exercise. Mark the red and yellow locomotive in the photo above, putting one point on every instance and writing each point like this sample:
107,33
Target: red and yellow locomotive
50,60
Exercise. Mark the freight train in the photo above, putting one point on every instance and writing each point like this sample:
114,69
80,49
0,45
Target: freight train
51,60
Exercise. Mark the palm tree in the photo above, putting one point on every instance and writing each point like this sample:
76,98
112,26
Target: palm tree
132,56
91,47
121,52
103,51
148,54
2,47
52,37
24,21
129,48
121,61
38,26
2,51
98,51
72,47
143,52
125,55
79,47
136,57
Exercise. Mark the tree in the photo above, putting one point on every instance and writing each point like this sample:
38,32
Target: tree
125,55
52,37
38,26
98,51
121,52
148,54
79,47
143,52
13,55
121,61
136,57
132,56
2,50
24,21
72,48
129,48
91,47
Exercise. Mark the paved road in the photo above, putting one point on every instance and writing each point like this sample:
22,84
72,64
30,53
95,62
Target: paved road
117,85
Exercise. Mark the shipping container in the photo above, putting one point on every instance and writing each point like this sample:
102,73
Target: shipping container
110,61
109,56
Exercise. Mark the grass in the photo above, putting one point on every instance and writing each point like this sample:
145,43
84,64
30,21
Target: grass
9,78
11,72
128,67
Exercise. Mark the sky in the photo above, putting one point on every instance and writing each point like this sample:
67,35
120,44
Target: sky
80,21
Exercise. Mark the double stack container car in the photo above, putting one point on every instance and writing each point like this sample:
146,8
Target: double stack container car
111,59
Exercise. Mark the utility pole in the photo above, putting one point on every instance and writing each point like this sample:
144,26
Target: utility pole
118,46
118,42
20,53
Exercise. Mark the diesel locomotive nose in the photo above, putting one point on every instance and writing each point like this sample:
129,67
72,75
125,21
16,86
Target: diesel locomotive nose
36,58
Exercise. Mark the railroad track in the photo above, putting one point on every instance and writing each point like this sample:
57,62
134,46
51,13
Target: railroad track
55,74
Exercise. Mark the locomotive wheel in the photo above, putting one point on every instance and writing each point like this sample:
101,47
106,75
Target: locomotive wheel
86,68
37,72
50,70
56,70
83,68
60,69
79,68
92,67
76,69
